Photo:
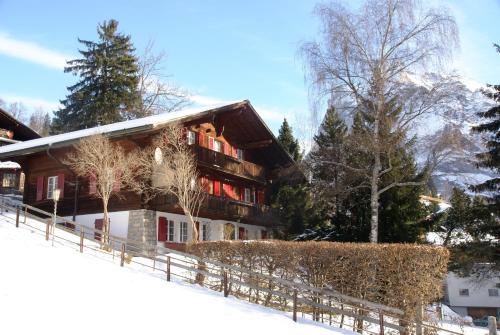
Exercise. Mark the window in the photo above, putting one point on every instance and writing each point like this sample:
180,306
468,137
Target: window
493,292
9,180
184,232
170,231
248,195
217,146
239,154
51,186
191,137
205,232
464,292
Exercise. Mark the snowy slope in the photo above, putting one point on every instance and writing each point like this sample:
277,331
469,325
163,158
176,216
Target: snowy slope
57,290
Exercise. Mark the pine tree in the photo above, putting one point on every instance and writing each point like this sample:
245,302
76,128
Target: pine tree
289,142
107,90
491,158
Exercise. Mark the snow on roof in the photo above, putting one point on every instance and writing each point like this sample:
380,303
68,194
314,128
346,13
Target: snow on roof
9,165
152,121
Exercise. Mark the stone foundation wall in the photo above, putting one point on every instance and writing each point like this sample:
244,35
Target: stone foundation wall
142,227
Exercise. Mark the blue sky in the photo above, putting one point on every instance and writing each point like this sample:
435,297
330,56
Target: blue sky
219,50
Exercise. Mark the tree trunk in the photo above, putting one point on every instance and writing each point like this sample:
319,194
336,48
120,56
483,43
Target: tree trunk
105,225
193,225
374,199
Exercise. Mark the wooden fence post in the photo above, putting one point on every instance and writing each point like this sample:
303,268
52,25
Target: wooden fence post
381,322
418,321
122,260
17,217
295,305
154,258
224,277
25,214
82,234
168,268
47,230
492,325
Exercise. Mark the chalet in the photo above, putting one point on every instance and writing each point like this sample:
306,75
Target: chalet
238,157
12,131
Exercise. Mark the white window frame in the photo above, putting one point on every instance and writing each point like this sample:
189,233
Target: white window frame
463,292
239,154
170,231
183,235
9,179
217,145
51,186
191,137
248,195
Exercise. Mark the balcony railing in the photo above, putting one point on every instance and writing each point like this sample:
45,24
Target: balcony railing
221,161
246,212
229,209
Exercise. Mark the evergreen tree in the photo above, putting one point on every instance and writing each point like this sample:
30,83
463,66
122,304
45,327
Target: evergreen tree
107,89
491,158
289,142
336,160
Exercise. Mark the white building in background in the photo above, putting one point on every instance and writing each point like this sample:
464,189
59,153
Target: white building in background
476,299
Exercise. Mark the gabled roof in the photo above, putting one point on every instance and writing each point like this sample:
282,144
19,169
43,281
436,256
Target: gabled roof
21,131
246,122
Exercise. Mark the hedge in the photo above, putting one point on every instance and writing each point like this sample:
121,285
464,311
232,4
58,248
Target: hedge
397,275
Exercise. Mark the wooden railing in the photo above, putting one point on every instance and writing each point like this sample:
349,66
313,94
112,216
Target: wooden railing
230,209
319,304
224,162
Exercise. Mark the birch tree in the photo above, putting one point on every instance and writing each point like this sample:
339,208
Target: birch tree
104,163
363,62
158,93
168,167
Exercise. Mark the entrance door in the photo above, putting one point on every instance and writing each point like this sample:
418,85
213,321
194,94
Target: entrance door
98,223
162,228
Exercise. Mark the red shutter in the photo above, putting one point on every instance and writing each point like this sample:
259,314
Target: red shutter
117,183
242,193
228,191
92,184
263,234
39,188
201,139
234,152
162,228
227,149
241,233
211,143
260,197
217,188
60,185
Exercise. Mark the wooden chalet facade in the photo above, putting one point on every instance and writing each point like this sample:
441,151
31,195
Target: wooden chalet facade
238,158
12,131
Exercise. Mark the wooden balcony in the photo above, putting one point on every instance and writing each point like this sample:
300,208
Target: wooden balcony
221,208
220,161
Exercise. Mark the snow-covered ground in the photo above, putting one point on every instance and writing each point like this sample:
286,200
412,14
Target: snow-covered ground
57,290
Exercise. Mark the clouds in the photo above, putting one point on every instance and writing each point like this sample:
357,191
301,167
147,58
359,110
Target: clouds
31,103
32,52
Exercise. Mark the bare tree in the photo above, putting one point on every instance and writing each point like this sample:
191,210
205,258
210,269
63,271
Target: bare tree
107,166
39,121
363,62
168,167
159,94
16,109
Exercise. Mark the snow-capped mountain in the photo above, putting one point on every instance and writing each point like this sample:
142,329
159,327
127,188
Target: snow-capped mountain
455,119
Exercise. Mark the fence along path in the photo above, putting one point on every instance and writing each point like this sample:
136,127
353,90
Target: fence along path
320,304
